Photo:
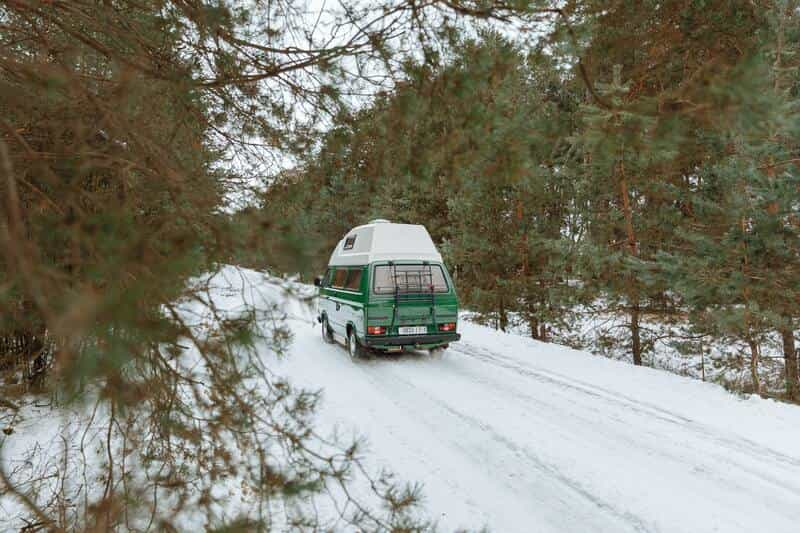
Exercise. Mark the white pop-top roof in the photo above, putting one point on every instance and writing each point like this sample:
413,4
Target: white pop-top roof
381,240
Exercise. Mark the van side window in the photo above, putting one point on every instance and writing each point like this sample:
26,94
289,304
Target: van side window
350,242
339,278
354,280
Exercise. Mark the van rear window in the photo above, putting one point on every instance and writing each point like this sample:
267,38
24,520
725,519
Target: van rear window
408,279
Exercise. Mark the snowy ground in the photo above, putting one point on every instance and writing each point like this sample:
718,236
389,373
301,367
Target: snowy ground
517,435
670,343
525,436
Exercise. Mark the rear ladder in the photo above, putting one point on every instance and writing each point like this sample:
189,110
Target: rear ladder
420,275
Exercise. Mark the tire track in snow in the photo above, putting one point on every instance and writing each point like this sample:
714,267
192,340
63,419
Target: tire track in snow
567,382
535,450
736,444
620,517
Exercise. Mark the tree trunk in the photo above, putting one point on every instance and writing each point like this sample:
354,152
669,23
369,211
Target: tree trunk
703,363
533,324
503,316
633,290
790,361
754,357
636,340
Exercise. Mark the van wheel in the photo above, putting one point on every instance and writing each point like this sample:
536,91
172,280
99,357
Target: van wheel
437,351
354,347
327,334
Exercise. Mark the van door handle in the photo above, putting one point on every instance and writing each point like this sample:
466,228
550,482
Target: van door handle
337,306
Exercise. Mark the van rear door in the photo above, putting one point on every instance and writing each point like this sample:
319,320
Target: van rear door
412,298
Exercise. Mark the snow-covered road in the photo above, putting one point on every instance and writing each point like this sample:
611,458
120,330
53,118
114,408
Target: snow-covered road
522,436
525,436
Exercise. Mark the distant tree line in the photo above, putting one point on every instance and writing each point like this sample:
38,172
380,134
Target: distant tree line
658,175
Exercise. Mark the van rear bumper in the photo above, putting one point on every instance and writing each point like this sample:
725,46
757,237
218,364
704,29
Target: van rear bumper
411,340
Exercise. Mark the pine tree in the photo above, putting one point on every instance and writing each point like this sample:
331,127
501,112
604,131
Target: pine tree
125,127
640,141
471,150
739,266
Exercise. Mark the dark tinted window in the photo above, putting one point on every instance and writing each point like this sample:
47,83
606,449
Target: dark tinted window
408,278
354,280
339,278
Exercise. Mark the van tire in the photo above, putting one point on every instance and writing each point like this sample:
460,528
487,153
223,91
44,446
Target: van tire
354,347
437,351
327,333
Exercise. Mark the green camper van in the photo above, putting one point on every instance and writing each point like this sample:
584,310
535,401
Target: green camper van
386,289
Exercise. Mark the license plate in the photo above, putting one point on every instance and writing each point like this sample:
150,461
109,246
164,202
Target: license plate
412,330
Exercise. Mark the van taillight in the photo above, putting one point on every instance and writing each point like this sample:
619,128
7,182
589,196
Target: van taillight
450,326
376,330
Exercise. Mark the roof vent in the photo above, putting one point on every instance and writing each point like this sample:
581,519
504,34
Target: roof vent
379,221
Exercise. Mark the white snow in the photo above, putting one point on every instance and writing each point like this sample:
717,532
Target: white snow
522,436
525,436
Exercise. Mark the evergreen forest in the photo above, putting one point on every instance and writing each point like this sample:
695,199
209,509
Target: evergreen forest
618,176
